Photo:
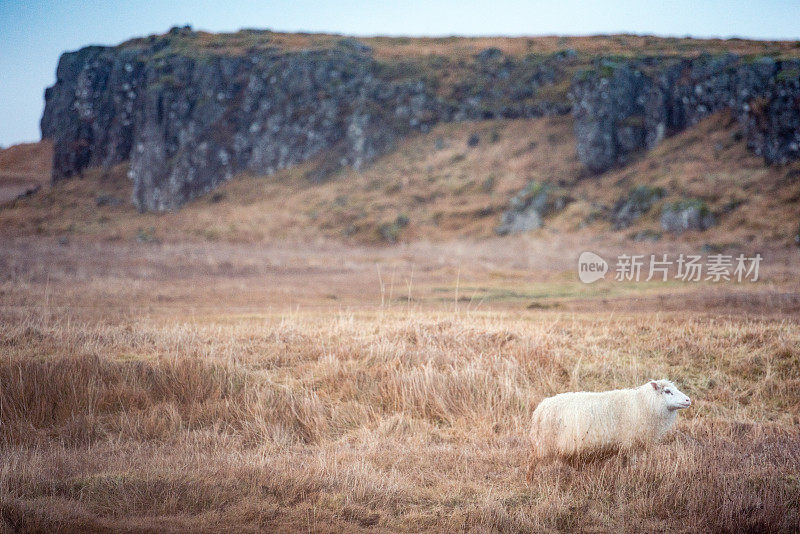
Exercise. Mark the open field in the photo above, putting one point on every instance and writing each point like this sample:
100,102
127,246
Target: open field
213,386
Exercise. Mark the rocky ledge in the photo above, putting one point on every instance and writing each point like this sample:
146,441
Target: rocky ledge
624,105
189,110
187,119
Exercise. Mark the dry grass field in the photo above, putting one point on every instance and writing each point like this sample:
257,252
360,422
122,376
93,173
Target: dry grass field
324,388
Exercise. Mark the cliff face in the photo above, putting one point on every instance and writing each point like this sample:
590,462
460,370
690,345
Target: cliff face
188,112
200,122
773,121
188,123
622,106
89,112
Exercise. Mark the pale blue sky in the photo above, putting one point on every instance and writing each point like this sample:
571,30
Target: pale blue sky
34,33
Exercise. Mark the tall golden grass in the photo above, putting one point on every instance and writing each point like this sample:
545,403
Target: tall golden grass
242,381
402,417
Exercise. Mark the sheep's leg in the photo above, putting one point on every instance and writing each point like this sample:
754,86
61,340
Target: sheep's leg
629,456
533,464
536,461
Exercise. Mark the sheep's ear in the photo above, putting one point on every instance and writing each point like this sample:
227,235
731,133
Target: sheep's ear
655,385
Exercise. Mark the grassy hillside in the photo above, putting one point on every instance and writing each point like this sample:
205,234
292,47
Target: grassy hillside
435,187
24,167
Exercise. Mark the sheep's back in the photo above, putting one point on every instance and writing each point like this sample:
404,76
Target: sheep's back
573,423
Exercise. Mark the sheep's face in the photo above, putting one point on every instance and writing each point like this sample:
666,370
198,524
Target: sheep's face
673,398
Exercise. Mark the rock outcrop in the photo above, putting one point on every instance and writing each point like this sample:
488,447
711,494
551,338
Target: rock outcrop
529,207
685,215
638,202
625,105
773,122
189,110
187,119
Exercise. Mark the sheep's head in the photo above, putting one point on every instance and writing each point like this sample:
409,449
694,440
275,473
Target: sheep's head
670,395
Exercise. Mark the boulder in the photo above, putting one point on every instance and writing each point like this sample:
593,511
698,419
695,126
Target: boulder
514,222
685,215
528,208
637,203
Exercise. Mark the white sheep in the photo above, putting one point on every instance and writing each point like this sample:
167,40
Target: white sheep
585,424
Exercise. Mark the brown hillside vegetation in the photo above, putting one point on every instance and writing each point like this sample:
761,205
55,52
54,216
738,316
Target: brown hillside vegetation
458,47
27,159
454,191
23,168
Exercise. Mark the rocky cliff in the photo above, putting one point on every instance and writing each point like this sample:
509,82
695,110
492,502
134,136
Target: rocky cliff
188,110
189,118
623,105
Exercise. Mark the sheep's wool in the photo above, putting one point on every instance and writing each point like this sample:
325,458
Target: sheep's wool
586,423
